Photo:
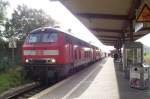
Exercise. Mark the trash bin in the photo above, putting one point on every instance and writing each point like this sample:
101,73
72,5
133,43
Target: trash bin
139,77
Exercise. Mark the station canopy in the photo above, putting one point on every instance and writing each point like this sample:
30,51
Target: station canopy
108,20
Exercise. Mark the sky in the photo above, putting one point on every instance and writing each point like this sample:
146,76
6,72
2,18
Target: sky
145,40
67,21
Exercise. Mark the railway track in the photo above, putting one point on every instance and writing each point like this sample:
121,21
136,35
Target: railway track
23,92
28,90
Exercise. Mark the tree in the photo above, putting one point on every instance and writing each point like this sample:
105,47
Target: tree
3,6
25,19
9,30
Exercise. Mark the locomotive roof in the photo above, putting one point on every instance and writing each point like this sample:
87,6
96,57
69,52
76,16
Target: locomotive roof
45,28
59,30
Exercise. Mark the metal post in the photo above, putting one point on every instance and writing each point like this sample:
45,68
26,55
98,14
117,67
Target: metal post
13,55
118,48
123,38
131,31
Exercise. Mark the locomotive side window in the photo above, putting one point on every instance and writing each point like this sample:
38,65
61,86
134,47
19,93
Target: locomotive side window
79,54
75,54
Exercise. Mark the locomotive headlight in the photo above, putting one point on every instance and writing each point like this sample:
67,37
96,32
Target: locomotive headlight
53,60
27,60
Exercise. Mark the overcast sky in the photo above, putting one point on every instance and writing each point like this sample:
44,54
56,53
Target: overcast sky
58,12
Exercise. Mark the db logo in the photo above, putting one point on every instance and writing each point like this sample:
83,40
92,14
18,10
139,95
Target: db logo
39,52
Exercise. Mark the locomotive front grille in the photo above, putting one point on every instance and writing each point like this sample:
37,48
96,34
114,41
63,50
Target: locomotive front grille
39,61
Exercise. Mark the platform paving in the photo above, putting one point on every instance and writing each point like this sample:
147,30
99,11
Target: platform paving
101,81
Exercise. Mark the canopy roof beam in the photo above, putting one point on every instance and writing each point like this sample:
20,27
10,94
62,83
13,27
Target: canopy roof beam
131,13
103,40
106,30
103,16
102,36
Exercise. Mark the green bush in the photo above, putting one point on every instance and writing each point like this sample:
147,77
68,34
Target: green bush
10,78
10,74
147,58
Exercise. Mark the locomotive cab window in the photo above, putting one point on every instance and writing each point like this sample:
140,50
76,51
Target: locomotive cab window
42,37
50,37
33,38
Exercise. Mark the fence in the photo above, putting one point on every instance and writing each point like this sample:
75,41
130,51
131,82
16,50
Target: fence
6,56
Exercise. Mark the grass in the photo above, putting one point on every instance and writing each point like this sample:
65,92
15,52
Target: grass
147,58
10,79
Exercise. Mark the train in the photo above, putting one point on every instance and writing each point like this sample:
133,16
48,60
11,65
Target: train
50,52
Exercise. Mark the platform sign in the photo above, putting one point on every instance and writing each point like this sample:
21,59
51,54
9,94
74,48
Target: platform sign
12,43
144,15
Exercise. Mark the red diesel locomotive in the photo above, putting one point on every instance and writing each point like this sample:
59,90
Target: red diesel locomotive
49,52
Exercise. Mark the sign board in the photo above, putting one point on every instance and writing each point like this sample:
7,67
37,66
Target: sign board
12,43
144,15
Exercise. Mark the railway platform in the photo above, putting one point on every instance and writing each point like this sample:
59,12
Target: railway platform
102,80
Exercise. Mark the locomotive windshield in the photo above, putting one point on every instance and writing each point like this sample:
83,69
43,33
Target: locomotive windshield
42,37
